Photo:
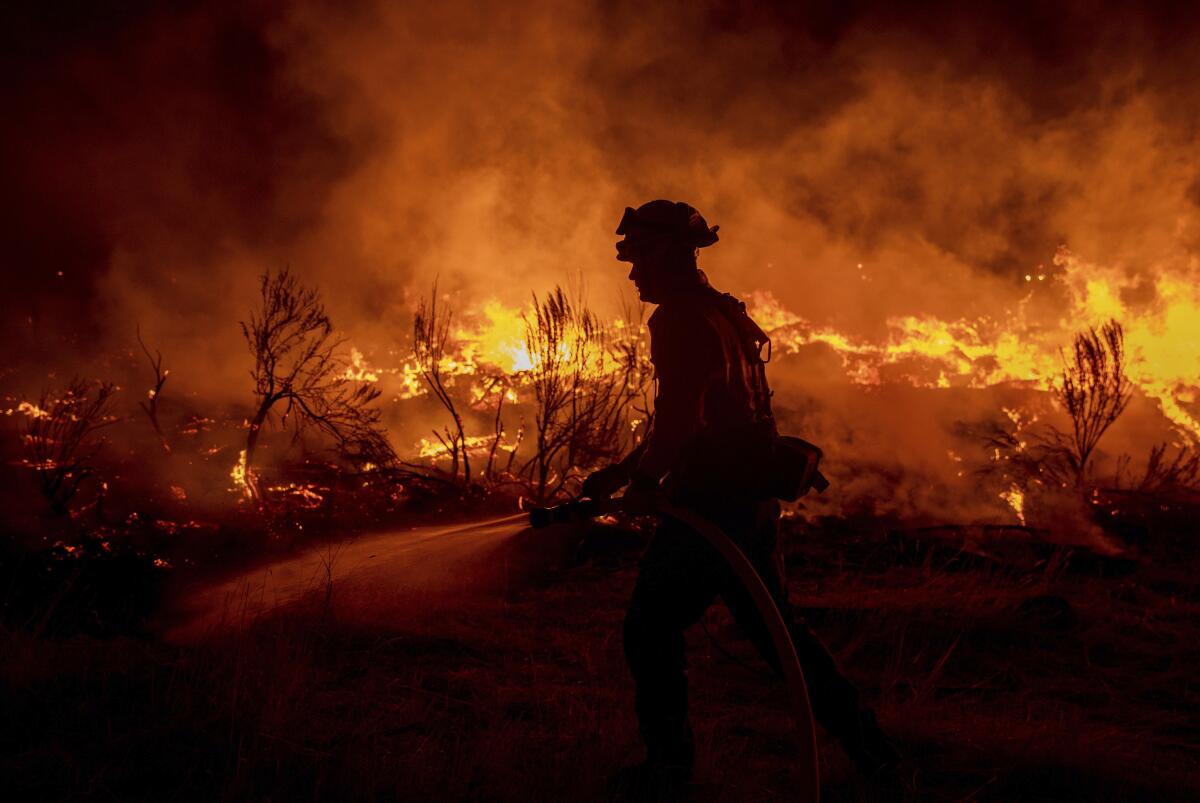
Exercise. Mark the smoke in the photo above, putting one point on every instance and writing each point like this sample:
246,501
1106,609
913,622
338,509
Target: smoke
163,158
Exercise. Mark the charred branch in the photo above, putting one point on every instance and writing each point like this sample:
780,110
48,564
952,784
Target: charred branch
497,428
431,333
297,368
150,406
60,438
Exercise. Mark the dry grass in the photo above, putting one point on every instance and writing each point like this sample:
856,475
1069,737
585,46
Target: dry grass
1000,684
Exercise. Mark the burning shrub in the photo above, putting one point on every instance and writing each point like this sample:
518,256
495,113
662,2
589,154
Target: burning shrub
1094,390
586,382
60,438
295,363
1044,471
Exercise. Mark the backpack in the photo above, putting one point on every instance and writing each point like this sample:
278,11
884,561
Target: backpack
779,466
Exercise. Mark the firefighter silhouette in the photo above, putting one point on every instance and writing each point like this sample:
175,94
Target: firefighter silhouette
711,393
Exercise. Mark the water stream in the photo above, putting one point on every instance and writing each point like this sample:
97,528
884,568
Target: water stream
376,570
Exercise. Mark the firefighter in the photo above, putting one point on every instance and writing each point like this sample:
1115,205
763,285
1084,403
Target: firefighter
711,396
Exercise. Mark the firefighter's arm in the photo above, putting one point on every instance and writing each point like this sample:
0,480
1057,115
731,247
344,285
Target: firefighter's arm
610,479
606,481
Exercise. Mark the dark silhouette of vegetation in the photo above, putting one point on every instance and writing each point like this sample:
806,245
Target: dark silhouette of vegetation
60,438
1165,473
586,382
499,386
431,333
1094,390
150,405
296,365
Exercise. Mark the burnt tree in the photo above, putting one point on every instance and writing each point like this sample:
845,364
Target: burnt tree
297,368
61,438
431,333
154,394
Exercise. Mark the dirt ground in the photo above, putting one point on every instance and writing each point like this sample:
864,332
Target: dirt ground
1028,676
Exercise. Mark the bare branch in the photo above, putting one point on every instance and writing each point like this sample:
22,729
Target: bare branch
1094,390
60,440
431,333
586,382
296,362
150,406
1166,474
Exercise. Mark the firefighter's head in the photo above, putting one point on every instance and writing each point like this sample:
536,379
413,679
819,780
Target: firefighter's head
661,240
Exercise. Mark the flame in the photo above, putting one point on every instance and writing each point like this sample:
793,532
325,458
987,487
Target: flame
488,351
238,475
1162,338
490,344
1015,498
497,339
433,449
358,370
31,410
306,496
953,353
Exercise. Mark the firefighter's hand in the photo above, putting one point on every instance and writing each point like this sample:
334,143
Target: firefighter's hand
605,482
641,497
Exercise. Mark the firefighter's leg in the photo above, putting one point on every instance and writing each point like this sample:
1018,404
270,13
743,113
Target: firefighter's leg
834,698
678,579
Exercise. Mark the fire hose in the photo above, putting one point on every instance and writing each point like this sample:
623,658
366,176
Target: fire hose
808,780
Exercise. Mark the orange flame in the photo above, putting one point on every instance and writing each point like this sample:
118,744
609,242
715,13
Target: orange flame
1162,338
238,475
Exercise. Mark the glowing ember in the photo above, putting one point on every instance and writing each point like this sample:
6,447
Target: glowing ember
306,496
433,449
30,409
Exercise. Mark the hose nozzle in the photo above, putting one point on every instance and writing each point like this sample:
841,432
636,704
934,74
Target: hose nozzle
574,511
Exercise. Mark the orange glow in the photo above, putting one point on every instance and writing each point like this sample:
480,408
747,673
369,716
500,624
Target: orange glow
434,450
498,339
490,346
305,496
238,475
31,410
1015,498
358,370
1162,338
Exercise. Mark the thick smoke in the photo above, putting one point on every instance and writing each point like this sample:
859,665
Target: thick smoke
163,158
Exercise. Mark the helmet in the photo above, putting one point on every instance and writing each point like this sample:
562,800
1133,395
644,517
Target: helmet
673,218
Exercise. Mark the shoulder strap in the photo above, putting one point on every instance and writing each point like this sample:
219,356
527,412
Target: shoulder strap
753,340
